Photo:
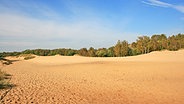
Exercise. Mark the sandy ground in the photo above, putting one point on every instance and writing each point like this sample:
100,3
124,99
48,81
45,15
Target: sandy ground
154,78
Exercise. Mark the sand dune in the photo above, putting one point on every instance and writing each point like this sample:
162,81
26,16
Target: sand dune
154,78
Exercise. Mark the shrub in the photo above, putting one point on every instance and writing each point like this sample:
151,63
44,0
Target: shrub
29,57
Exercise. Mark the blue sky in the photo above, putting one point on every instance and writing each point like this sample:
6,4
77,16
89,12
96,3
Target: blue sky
30,24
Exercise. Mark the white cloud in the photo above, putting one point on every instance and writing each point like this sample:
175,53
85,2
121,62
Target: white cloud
179,8
20,30
32,25
157,3
29,28
28,8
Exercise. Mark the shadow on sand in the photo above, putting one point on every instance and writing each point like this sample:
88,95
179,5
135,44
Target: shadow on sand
7,62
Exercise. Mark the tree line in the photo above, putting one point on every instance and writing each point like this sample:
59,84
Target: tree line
143,45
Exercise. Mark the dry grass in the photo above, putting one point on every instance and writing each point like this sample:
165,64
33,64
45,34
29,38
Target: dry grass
1,75
3,80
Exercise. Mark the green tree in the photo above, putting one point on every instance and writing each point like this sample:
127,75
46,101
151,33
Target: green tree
133,49
70,52
180,40
163,41
83,52
118,49
125,48
154,42
91,52
173,43
143,44
101,52
159,42
110,52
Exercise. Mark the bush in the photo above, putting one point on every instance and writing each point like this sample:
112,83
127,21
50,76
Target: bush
29,57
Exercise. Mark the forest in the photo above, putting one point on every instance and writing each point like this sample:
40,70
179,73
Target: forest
143,45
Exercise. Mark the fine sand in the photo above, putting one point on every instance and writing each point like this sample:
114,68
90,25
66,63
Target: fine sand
154,78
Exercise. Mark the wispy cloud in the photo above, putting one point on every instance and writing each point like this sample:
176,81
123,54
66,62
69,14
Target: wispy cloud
28,8
179,8
182,18
23,24
157,3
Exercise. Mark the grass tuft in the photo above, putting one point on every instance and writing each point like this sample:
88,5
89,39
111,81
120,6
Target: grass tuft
3,80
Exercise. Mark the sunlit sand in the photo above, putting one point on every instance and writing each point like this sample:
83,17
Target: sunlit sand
154,78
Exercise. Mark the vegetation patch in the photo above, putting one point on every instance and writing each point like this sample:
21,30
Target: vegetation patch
3,80
27,56
4,75
143,45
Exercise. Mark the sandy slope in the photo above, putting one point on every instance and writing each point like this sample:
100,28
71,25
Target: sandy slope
155,78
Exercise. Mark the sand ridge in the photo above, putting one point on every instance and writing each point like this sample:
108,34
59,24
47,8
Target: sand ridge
158,56
154,78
